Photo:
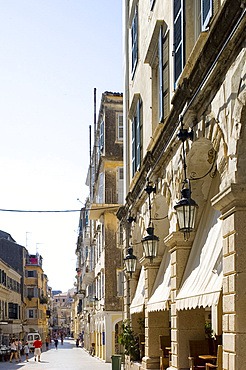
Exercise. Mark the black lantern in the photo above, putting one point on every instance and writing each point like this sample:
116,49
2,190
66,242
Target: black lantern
130,261
186,212
186,208
150,243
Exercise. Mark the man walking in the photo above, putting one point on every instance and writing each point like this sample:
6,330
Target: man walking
37,349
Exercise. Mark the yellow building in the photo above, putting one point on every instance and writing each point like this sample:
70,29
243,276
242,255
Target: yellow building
11,307
35,296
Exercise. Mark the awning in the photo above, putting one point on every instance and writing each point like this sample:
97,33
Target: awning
137,304
162,286
202,281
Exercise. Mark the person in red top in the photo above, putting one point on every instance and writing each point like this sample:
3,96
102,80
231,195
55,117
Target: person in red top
37,349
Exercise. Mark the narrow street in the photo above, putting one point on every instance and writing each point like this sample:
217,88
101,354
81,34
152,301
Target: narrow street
67,356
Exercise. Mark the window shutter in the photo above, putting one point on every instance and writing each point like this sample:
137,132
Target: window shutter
120,283
138,136
133,146
165,57
101,135
134,32
102,282
100,190
120,185
206,7
120,127
36,292
178,27
160,75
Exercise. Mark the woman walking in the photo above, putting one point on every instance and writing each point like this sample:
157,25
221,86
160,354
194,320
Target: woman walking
13,348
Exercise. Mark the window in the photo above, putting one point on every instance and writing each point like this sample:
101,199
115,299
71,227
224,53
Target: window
120,127
179,29
134,33
206,13
136,140
120,283
13,310
121,185
120,235
163,75
31,314
101,140
102,284
100,189
152,2
32,273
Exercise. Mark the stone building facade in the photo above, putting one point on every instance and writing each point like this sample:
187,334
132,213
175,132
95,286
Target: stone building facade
99,248
186,58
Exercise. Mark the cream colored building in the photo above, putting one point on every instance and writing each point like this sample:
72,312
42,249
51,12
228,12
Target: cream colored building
186,58
99,247
62,309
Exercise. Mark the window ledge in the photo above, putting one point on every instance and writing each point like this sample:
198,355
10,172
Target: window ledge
193,57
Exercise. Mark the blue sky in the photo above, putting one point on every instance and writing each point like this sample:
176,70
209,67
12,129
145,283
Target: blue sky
52,55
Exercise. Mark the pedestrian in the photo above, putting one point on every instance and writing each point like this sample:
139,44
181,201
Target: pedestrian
62,338
56,342
27,351
13,349
47,343
19,349
37,349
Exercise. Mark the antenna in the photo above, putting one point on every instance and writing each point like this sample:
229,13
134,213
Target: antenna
27,232
37,247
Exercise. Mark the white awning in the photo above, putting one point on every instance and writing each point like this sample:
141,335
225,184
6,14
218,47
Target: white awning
137,304
162,286
202,281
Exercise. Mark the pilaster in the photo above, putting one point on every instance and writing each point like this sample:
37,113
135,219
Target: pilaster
151,360
180,250
232,204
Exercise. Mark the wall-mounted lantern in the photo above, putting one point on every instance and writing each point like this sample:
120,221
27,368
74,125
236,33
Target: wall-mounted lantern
186,208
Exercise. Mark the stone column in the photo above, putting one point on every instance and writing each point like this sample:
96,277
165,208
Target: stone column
151,359
180,250
232,204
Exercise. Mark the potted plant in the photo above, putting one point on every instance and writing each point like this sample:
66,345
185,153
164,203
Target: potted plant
130,341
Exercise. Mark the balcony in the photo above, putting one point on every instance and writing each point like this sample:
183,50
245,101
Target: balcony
88,277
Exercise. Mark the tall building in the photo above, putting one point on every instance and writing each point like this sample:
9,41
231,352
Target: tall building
99,248
184,73
36,296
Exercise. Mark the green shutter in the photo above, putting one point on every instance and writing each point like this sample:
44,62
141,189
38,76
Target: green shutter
165,68
160,75
179,29
138,137
133,146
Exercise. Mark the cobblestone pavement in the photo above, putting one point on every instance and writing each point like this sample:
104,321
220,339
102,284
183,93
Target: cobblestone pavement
67,356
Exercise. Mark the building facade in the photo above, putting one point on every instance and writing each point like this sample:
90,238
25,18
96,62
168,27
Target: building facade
61,312
11,306
99,248
184,68
35,296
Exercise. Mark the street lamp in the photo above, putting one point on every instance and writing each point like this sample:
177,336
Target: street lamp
130,261
186,208
150,241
